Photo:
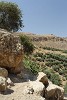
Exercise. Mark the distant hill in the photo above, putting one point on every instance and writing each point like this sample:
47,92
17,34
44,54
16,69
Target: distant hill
49,40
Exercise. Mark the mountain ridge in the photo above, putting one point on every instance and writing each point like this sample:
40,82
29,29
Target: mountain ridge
48,40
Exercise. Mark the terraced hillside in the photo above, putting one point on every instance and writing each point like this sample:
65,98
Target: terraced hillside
46,40
49,56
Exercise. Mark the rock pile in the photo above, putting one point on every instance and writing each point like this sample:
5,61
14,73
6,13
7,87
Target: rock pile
4,80
37,87
54,92
51,92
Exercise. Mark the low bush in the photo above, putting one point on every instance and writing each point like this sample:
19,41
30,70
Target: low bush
48,72
65,88
55,79
33,66
61,72
65,76
64,51
56,68
27,44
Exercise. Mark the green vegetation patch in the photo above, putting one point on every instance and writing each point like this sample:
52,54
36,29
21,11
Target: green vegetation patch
27,44
57,62
50,48
33,66
54,78
65,88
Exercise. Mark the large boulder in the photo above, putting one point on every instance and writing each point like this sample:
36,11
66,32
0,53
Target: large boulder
54,92
34,87
37,87
11,52
3,72
3,84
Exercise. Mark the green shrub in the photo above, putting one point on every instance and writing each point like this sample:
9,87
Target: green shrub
65,76
55,79
48,72
55,68
33,66
64,51
65,88
27,44
61,72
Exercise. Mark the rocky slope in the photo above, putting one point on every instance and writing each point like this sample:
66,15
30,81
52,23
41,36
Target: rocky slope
35,90
50,52
14,87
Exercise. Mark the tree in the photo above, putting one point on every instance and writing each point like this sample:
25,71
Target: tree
10,16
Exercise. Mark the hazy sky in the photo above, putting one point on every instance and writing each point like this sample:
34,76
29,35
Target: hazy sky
44,16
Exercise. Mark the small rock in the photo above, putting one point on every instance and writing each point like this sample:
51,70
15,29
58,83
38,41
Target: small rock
54,92
42,78
3,84
3,72
9,82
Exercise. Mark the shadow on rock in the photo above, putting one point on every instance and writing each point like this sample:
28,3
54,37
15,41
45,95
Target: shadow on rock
24,76
7,92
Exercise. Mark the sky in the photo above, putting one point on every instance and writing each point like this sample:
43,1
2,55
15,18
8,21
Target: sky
44,16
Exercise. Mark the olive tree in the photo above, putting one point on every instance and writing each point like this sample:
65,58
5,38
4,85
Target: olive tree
10,16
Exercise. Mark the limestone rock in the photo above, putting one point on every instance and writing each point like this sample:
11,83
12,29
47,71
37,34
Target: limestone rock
3,72
38,87
42,78
3,84
54,92
35,87
65,98
9,82
11,52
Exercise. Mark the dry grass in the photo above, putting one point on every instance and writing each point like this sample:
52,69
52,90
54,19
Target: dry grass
46,40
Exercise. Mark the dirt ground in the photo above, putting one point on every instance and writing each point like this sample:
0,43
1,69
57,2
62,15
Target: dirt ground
16,92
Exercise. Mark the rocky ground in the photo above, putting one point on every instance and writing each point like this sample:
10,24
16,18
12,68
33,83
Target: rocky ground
16,92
